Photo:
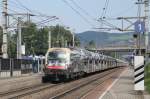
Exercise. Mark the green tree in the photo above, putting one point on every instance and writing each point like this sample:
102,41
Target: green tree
91,45
12,45
41,42
29,37
77,41
36,39
61,36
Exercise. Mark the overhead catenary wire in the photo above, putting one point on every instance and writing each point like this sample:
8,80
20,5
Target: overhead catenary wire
36,13
124,11
46,21
77,12
83,10
104,21
12,10
105,9
103,15
15,5
23,6
109,24
19,5
139,9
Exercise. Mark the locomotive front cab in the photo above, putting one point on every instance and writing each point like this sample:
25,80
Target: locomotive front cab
56,61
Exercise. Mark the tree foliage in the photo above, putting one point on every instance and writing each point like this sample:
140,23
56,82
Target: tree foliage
29,37
12,46
91,44
62,37
36,39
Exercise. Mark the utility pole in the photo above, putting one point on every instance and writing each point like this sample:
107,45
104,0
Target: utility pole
146,24
4,26
73,42
19,18
19,44
49,39
139,19
73,37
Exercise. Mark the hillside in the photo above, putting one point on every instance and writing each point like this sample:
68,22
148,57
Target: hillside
106,39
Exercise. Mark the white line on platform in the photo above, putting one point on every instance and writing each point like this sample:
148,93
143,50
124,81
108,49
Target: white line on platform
112,84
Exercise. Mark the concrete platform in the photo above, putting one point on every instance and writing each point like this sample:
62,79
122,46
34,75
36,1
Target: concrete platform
123,88
4,74
16,73
10,83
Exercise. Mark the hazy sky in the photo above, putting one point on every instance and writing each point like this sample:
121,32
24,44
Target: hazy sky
92,10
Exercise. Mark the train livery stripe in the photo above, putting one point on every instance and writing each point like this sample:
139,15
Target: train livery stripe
56,67
138,73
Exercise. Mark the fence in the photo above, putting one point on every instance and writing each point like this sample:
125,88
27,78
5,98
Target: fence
17,67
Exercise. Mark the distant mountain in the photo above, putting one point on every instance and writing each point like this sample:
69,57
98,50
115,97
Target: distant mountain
106,39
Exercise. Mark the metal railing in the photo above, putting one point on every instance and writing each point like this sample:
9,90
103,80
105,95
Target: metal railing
22,66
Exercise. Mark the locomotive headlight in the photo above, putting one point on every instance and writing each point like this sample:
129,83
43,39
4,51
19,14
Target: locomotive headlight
49,64
62,64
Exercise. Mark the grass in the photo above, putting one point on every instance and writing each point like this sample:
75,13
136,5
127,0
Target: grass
147,77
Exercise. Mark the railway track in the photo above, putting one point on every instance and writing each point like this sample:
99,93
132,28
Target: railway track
17,90
20,92
68,94
56,91
12,84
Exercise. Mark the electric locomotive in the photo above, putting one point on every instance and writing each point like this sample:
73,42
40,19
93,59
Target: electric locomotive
68,63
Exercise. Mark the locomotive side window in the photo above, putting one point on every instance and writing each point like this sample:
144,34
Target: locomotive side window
96,62
91,62
74,56
85,62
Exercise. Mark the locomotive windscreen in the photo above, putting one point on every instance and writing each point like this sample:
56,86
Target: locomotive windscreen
57,55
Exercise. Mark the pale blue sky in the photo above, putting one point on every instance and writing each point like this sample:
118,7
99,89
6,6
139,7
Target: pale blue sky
70,18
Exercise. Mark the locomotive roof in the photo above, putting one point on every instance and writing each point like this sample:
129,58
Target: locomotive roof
62,49
84,53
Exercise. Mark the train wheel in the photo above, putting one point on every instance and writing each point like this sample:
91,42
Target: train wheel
44,79
65,78
72,76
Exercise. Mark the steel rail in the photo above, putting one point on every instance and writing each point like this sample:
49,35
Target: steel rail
58,96
26,91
